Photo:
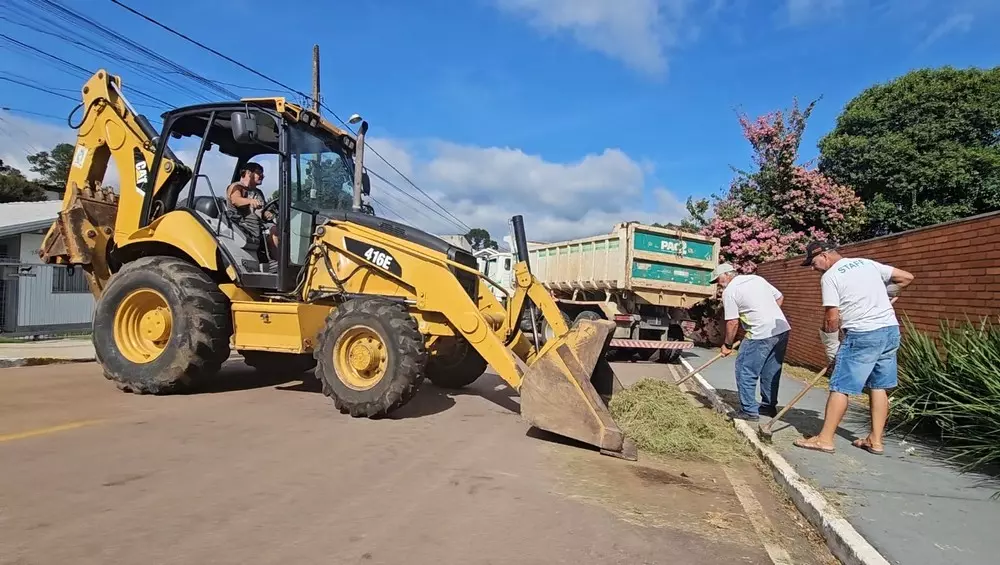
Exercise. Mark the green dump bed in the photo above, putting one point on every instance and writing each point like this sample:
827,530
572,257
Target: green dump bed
663,266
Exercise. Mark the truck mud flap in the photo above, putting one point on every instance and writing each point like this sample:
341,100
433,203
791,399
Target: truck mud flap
566,390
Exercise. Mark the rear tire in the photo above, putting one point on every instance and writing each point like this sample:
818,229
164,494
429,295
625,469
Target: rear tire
457,367
546,329
161,325
674,333
292,364
371,357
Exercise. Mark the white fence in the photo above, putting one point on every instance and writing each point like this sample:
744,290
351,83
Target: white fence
38,298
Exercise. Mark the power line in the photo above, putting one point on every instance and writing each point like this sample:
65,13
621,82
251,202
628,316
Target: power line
165,27
20,129
101,33
46,90
23,111
414,198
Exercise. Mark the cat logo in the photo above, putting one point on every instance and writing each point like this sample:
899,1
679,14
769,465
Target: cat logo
141,173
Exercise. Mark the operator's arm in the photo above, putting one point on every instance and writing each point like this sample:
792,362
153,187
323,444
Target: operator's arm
778,297
238,199
895,279
829,334
899,280
731,312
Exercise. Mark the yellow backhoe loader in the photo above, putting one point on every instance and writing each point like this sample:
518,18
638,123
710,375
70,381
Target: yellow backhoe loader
181,277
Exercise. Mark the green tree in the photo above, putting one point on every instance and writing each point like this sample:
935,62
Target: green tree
480,239
921,149
697,210
14,187
332,184
53,167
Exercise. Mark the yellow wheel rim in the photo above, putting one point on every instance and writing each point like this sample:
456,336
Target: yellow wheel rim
143,324
360,358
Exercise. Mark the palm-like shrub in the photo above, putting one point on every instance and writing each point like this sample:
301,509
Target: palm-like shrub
951,386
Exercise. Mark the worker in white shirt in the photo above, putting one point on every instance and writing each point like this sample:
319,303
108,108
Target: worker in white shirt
856,296
754,302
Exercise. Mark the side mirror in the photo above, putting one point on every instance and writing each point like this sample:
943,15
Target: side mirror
366,183
244,127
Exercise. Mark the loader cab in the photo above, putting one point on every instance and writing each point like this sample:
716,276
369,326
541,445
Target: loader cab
308,178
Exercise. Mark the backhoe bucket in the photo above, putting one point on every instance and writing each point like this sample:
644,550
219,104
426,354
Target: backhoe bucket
566,391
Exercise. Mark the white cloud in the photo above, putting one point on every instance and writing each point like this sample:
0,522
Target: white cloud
802,11
482,186
954,24
485,186
637,32
20,137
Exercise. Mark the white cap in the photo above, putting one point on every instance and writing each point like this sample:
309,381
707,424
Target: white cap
721,270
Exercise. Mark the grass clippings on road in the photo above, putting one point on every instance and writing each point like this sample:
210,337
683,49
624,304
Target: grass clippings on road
662,419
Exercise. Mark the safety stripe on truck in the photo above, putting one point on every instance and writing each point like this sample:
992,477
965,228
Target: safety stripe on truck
651,344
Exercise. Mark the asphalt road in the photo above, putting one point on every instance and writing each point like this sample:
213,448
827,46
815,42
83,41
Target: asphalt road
259,469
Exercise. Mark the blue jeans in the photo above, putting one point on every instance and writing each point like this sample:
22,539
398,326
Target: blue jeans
866,359
760,358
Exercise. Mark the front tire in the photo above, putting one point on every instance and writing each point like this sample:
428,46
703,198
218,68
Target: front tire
371,357
161,325
456,367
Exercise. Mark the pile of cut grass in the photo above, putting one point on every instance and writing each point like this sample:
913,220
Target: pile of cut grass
661,419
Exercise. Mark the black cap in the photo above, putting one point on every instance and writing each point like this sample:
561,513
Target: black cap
815,248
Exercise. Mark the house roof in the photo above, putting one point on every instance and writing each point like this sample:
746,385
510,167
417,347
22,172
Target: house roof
21,217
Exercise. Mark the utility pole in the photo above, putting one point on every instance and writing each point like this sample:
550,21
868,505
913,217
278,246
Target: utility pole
316,78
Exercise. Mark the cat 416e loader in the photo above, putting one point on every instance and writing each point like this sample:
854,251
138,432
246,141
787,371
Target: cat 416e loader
373,305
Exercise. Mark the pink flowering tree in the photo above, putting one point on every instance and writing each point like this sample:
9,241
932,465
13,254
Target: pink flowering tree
775,209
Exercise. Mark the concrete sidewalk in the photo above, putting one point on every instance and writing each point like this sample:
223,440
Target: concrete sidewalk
55,350
912,507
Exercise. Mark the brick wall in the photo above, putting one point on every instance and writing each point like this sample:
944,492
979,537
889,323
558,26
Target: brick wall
956,266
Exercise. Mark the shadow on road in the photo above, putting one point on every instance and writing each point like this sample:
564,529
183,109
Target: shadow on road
804,421
430,399
433,399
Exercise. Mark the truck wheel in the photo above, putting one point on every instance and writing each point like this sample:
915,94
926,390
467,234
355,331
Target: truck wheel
275,362
674,333
547,331
371,357
588,315
160,325
456,367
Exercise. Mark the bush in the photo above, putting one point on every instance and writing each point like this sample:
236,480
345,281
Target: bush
951,386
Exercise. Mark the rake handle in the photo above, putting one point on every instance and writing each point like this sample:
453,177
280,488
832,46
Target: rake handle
707,363
798,397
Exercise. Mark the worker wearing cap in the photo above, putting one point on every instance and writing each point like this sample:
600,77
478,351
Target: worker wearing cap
752,301
856,296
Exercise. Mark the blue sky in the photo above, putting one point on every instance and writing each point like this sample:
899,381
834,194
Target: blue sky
576,113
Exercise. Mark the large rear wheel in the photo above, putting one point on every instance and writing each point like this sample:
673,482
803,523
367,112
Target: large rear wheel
371,357
160,325
457,364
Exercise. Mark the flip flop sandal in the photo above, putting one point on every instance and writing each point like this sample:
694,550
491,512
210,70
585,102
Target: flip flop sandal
814,447
863,444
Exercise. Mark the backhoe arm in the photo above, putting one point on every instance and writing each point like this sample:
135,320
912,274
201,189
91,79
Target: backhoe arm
93,216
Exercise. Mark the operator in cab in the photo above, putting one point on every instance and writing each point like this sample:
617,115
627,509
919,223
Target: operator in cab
246,197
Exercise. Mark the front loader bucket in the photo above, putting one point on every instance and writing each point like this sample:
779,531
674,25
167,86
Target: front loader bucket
567,389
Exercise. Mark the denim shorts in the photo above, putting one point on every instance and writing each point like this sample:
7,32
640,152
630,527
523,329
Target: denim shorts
866,360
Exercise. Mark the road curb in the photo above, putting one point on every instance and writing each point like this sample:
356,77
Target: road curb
846,543
9,362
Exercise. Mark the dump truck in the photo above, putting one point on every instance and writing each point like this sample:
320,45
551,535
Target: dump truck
308,280
643,278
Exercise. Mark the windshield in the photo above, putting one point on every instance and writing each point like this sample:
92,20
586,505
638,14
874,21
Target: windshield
322,174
